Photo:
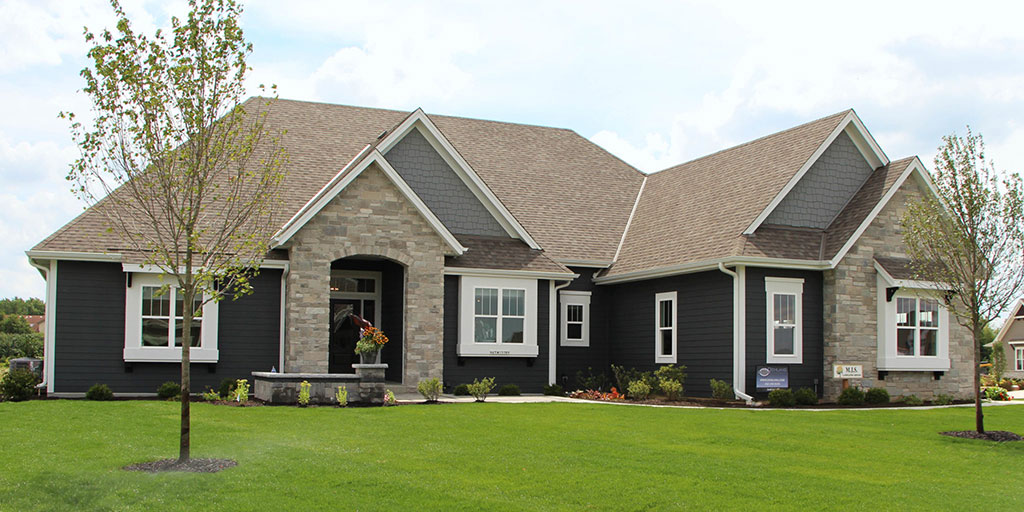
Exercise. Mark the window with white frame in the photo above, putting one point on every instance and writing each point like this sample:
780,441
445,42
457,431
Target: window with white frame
784,298
154,322
575,318
1018,357
498,317
665,327
913,329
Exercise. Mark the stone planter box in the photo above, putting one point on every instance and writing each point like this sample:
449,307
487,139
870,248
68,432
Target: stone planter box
365,385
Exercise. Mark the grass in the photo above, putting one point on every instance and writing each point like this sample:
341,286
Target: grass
67,455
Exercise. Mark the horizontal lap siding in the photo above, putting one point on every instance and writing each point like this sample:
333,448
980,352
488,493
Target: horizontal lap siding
704,328
802,375
575,359
89,339
505,370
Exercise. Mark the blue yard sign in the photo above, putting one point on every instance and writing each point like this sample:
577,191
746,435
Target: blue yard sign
772,377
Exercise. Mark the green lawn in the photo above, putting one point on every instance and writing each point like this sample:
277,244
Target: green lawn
67,455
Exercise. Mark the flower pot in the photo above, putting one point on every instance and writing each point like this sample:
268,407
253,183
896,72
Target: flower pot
370,357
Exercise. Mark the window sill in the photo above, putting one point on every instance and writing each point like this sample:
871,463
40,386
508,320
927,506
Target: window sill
772,359
914,364
169,355
664,359
575,343
497,350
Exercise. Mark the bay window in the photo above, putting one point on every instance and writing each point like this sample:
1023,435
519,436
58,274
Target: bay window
913,327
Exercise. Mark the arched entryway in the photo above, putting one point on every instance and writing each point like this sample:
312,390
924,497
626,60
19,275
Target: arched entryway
374,288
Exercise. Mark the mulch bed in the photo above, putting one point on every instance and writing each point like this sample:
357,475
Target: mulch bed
998,436
192,466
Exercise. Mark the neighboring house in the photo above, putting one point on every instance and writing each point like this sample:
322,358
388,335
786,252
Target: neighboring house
529,254
1011,335
36,322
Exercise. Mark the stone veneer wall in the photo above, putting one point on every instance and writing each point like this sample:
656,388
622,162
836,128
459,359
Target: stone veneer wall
370,217
851,328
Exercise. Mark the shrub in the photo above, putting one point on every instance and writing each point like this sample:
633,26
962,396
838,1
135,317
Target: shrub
509,390
670,372
781,397
210,395
304,387
912,400
805,396
672,388
341,396
851,396
876,396
168,390
227,388
241,391
942,399
21,345
591,380
554,390
996,394
1006,384
461,390
639,390
389,398
430,389
18,385
721,390
480,388
988,380
99,392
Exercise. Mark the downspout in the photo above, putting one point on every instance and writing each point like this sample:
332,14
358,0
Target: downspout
284,297
47,363
739,335
553,331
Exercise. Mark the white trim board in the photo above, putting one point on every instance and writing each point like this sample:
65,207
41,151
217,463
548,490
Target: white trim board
861,138
343,179
519,274
419,120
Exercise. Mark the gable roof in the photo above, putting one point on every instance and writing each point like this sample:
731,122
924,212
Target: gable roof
1016,315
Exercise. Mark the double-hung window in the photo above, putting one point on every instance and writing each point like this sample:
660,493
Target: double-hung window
913,327
784,299
155,325
575,318
665,327
1018,358
917,326
498,317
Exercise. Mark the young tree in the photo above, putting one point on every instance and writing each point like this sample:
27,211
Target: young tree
970,239
184,172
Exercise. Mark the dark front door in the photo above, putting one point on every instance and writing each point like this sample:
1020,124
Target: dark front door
344,333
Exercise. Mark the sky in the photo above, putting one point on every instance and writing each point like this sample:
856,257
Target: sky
654,83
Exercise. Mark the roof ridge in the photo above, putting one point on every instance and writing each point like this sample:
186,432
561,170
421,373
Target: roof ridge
749,142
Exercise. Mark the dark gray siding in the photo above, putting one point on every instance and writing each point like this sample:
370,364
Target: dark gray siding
810,373
530,374
704,331
440,188
392,309
826,187
575,359
89,339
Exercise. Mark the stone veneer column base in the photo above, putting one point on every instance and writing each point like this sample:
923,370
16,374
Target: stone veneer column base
371,382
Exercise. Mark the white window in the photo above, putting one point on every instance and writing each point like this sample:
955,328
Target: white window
913,332
785,320
498,317
154,323
665,327
1018,358
575,318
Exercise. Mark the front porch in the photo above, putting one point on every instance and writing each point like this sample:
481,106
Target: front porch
366,385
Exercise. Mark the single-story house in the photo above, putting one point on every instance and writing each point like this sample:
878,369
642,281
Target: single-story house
529,254
1011,336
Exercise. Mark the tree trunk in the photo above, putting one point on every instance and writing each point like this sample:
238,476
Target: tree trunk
184,448
979,417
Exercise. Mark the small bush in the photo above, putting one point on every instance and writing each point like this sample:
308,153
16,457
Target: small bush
304,388
480,388
18,385
430,389
509,390
912,400
100,392
805,396
461,390
226,389
876,396
168,390
851,396
942,399
1006,384
210,395
671,388
554,390
341,396
988,380
721,390
638,390
389,398
591,380
241,391
782,397
996,394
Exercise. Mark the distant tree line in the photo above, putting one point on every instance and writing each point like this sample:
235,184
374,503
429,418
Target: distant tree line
19,306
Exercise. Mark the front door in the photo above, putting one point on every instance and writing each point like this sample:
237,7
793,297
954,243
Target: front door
351,293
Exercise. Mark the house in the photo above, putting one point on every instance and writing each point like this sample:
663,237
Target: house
1011,338
530,254
36,322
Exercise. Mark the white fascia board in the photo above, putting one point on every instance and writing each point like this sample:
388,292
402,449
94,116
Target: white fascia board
1009,320
491,272
421,121
586,263
73,256
914,166
862,139
701,266
629,221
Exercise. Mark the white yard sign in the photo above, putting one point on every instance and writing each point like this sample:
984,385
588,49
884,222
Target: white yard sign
849,371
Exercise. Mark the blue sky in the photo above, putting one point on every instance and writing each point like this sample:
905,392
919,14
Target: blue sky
656,84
